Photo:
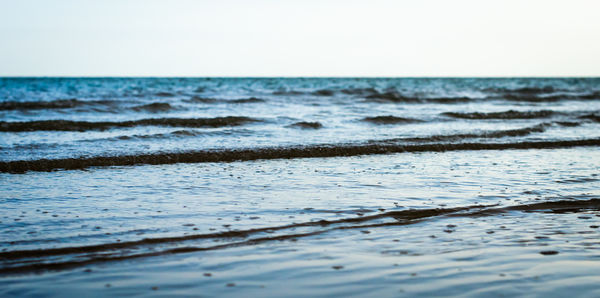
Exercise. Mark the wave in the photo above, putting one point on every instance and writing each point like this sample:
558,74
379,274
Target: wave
164,94
304,124
359,91
592,117
524,90
54,104
568,123
153,107
540,94
526,94
197,99
246,100
546,98
395,97
389,120
532,98
230,155
329,92
371,94
68,125
41,260
324,92
178,133
510,114
519,132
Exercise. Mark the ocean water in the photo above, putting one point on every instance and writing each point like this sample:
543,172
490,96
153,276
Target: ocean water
299,187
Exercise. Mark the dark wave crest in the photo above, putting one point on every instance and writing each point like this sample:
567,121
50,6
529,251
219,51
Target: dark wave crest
324,92
287,92
524,90
389,120
540,94
246,100
395,97
153,107
68,125
593,117
164,94
230,155
546,98
359,91
54,104
197,99
309,125
511,114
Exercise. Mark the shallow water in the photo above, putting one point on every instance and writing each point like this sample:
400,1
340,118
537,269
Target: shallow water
484,201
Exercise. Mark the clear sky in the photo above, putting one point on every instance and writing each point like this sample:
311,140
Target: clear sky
299,38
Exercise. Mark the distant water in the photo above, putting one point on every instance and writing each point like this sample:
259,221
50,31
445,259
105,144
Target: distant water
301,186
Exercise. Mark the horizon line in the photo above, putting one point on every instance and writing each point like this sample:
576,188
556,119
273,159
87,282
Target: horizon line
299,77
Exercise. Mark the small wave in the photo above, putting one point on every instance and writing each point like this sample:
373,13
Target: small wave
593,95
592,117
229,155
246,100
305,125
531,98
546,98
55,104
568,123
287,92
540,94
179,133
153,107
197,99
53,259
578,180
510,114
68,125
532,90
164,94
391,96
523,90
324,92
187,133
359,91
519,132
389,120
395,97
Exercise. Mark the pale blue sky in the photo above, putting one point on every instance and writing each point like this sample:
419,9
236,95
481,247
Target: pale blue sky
299,38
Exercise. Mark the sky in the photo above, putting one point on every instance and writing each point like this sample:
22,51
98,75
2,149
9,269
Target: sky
395,38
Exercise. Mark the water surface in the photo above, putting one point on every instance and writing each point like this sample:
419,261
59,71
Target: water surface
297,187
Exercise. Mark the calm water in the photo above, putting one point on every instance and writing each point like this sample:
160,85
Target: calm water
298,187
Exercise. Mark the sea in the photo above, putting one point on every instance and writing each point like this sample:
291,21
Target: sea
295,187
